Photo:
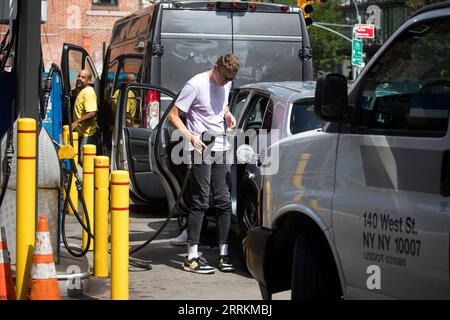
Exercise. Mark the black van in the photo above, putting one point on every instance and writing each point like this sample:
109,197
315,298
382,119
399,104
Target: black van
166,44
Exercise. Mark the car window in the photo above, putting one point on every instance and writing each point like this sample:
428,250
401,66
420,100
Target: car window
112,70
303,118
239,103
76,64
255,112
268,116
127,65
408,91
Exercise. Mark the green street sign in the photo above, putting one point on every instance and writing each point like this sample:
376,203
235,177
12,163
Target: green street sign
357,52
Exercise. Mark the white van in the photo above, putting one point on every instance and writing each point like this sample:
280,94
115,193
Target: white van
361,210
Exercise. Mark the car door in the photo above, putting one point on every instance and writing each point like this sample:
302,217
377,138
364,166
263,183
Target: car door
131,138
73,59
115,71
391,213
237,105
250,122
165,146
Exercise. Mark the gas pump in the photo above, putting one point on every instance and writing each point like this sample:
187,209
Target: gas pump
51,114
51,98
51,121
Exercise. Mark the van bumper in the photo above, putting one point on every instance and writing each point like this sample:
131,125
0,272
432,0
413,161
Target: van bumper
258,240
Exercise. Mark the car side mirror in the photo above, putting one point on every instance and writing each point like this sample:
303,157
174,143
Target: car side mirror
331,100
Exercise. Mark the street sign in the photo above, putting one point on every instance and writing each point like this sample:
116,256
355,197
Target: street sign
366,31
373,15
357,52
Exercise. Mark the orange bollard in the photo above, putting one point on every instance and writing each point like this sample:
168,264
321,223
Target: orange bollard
7,291
43,284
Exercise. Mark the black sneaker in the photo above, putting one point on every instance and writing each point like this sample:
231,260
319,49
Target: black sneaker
197,265
225,264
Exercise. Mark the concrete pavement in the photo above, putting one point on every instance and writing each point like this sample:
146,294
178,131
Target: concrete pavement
166,280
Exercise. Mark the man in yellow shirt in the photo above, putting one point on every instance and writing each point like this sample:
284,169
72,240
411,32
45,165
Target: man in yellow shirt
84,112
131,102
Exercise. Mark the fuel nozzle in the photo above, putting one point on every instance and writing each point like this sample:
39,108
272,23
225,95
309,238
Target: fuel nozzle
208,138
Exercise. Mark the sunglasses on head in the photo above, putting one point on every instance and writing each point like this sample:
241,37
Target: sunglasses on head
223,77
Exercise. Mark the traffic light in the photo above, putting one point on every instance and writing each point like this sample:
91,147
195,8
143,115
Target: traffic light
306,6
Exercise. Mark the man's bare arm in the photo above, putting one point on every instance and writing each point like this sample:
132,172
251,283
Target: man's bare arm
175,120
87,116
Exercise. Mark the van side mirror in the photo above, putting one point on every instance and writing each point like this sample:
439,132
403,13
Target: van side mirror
330,101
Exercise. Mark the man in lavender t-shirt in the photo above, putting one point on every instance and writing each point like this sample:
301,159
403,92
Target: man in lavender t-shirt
204,99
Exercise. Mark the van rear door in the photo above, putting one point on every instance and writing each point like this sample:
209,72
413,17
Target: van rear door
192,42
267,53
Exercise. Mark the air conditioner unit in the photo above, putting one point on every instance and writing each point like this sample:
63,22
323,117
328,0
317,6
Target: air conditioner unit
8,10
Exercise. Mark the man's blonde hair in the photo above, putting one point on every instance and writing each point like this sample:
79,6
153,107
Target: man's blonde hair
229,62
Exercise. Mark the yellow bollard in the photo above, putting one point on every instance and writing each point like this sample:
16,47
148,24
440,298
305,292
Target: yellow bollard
75,146
73,188
25,203
89,153
101,267
120,201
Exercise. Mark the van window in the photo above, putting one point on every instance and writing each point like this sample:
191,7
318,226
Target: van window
112,70
119,31
198,22
407,92
138,27
254,23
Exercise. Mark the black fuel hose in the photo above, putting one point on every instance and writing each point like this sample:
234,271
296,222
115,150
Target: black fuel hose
7,47
208,141
68,201
180,195
67,185
9,154
47,88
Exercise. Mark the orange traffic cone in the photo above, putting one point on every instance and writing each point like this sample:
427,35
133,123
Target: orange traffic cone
7,291
43,284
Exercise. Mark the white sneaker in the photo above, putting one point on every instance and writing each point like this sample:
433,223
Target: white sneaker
181,240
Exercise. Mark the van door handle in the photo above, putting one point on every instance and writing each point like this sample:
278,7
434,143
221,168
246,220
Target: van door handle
445,174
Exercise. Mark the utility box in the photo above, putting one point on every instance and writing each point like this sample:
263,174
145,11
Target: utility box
8,10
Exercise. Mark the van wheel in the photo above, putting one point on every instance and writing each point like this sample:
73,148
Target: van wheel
313,275
248,218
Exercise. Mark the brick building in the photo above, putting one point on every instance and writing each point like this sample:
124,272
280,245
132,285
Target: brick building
87,23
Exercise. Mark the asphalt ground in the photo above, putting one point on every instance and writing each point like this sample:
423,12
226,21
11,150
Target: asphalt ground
167,280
